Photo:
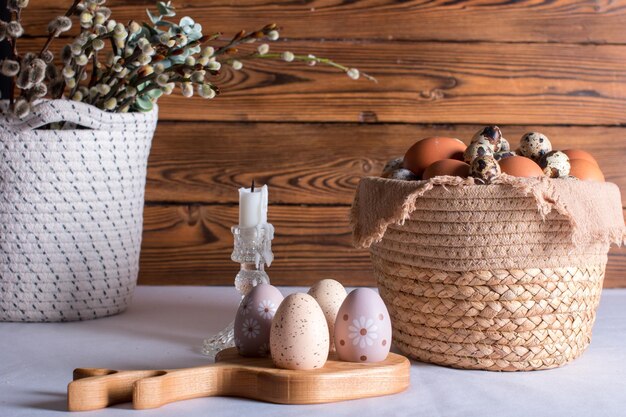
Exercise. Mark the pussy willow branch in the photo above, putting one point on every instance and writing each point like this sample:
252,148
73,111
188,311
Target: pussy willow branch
306,58
257,34
18,15
51,36
94,69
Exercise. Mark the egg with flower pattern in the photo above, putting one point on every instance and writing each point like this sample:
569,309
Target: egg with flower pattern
363,328
253,322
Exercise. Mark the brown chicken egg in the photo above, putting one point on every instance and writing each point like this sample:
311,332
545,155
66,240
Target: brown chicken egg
580,154
429,150
451,167
585,170
520,166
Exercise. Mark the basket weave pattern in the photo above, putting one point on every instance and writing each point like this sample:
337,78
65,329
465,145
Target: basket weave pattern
71,212
529,305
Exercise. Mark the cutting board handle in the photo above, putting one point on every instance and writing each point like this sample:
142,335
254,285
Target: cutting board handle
182,384
95,388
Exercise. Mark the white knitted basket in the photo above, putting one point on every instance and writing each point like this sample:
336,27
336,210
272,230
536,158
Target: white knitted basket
71,211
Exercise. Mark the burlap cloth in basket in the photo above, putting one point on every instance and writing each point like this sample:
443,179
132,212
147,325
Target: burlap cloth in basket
500,277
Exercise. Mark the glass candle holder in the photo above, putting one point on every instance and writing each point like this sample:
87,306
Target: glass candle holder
253,250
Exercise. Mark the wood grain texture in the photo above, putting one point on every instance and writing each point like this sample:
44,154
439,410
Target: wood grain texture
554,66
319,163
191,245
580,21
237,376
421,82
426,82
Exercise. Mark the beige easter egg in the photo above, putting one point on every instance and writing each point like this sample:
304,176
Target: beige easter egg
299,337
329,294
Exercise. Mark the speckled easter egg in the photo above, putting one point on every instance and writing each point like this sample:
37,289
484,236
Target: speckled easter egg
501,155
485,169
534,145
329,294
363,328
401,174
299,337
254,320
393,164
555,164
477,149
491,134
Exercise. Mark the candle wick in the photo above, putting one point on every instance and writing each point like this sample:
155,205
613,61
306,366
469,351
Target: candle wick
252,188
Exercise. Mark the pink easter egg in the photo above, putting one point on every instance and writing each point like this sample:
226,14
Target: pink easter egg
363,327
254,320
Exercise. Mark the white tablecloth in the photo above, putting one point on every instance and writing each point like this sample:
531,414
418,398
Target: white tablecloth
165,326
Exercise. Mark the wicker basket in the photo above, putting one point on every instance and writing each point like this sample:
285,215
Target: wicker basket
480,277
71,211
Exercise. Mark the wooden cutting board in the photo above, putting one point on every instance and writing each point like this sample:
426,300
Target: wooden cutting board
237,376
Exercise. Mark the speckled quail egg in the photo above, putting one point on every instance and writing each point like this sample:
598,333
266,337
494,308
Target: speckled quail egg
485,169
535,145
555,164
401,174
477,149
505,154
393,164
491,134
505,146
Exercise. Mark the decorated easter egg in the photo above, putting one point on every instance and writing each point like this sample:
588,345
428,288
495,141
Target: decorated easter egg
363,328
299,337
555,164
392,165
504,154
329,294
254,320
585,170
452,167
485,169
429,150
401,174
520,166
535,145
490,134
476,149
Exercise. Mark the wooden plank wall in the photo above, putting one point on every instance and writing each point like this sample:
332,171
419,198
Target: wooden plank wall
311,133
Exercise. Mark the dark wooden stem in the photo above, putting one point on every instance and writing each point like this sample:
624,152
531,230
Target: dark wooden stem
51,36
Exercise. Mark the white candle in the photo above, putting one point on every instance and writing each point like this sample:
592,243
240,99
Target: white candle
253,206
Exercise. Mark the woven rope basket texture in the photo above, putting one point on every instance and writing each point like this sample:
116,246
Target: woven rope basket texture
458,279
71,211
